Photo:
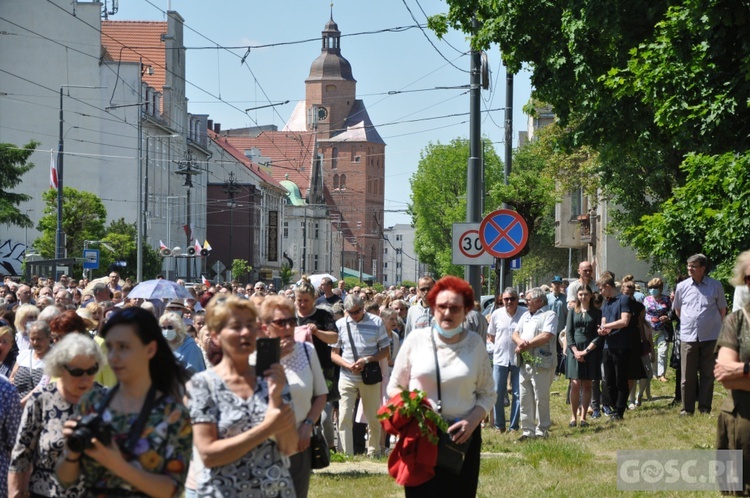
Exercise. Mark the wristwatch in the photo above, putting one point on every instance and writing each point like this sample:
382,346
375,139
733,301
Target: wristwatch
307,421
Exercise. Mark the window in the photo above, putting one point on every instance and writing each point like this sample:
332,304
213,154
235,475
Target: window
335,158
398,238
315,262
336,181
386,249
398,265
316,230
357,159
385,265
342,182
398,250
286,229
385,277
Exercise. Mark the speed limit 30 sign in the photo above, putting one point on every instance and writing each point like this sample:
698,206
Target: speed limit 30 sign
467,246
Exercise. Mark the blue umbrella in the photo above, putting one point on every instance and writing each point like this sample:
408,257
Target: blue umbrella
159,289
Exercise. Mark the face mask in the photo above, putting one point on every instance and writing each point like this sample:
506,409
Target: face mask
653,292
449,332
169,334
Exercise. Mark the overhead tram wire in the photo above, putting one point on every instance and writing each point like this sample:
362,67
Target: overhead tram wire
428,39
442,39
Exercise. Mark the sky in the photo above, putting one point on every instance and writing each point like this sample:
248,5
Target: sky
398,67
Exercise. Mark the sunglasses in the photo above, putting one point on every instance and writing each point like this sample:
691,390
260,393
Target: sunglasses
284,322
425,289
356,312
80,372
168,327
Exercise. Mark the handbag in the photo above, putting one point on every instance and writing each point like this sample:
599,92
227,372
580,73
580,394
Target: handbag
321,456
371,374
451,455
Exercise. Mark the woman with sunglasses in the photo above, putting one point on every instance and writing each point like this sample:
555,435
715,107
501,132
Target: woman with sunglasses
184,347
242,419
150,427
306,383
74,361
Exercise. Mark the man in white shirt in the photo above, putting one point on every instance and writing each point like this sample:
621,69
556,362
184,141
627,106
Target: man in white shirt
585,277
534,338
503,323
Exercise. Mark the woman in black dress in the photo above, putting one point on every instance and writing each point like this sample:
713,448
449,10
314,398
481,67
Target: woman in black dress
584,357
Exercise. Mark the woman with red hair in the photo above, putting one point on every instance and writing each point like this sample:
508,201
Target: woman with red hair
465,392
65,323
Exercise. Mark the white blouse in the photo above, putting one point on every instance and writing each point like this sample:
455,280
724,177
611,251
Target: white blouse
465,372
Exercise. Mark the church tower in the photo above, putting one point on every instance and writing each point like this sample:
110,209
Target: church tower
330,87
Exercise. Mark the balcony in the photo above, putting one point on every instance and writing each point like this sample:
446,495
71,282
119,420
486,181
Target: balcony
584,225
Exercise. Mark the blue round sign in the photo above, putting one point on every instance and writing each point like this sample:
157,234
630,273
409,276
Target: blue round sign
503,233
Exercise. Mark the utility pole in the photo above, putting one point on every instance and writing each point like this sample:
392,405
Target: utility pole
475,170
187,169
502,266
231,188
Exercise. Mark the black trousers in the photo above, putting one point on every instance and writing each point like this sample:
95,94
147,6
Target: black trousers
616,376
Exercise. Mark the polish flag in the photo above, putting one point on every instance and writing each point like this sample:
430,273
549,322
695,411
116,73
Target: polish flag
197,246
205,281
52,170
162,246
206,245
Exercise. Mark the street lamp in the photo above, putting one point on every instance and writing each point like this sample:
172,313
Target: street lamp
187,168
231,188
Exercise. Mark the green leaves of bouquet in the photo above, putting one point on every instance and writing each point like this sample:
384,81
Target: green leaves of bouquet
413,407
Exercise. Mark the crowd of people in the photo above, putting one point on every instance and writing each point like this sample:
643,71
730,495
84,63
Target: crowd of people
104,395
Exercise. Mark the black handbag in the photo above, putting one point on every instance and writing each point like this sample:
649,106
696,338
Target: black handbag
451,455
321,456
371,374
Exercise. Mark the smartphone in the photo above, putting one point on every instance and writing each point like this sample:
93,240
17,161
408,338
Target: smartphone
268,353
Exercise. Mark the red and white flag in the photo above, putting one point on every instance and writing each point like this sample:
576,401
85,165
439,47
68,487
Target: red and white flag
197,246
52,170
205,281
162,246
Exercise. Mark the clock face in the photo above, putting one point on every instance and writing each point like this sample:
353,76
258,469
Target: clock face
322,113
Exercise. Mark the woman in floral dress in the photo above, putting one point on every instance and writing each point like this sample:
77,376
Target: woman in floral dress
236,411
74,361
150,427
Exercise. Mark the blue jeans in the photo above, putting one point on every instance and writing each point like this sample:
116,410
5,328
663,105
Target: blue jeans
500,374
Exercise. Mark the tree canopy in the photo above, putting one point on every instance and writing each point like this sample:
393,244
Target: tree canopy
651,86
13,165
84,215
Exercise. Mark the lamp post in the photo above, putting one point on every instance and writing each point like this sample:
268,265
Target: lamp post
186,168
26,236
59,233
231,188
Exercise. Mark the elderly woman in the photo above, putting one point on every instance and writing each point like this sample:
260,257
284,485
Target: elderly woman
732,370
29,368
8,349
658,307
74,361
24,314
306,383
151,432
184,347
465,390
242,422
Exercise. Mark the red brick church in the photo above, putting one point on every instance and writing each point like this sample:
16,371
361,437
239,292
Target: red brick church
349,174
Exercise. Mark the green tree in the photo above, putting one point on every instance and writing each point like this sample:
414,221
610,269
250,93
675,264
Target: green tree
240,269
13,165
84,215
122,237
285,273
438,199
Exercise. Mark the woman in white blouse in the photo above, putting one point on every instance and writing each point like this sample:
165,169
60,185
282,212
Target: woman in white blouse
467,389
305,378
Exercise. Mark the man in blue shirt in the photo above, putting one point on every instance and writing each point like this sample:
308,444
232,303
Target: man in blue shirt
700,303
557,301
615,328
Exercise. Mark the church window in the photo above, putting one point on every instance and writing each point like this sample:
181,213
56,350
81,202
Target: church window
335,182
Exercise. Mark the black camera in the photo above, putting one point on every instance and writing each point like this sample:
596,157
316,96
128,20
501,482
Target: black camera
89,427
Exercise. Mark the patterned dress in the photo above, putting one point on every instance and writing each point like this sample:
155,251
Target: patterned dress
40,442
262,472
30,372
165,446
10,417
